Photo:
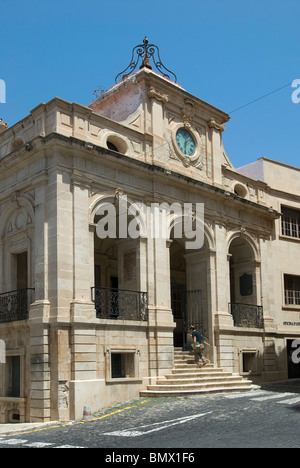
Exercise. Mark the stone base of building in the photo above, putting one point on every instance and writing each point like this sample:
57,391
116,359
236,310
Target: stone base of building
100,394
12,410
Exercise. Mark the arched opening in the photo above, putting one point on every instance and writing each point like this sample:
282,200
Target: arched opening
240,190
244,284
190,290
111,146
118,290
115,143
16,291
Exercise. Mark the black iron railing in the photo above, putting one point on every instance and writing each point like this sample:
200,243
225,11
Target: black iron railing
187,308
119,304
247,315
15,305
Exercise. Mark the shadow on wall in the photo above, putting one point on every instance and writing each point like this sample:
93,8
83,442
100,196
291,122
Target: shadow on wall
272,365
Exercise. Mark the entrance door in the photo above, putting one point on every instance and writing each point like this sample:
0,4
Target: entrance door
19,271
293,368
187,311
178,305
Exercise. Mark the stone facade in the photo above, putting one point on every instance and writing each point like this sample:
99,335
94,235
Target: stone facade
67,345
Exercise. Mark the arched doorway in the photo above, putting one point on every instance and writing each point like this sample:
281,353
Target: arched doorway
244,284
190,291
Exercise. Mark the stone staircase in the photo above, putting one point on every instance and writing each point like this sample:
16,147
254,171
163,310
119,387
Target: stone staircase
189,379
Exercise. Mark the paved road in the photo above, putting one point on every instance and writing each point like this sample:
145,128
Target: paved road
266,418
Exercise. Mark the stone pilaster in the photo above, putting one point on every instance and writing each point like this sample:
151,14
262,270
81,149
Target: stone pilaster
60,347
223,319
40,410
217,151
161,323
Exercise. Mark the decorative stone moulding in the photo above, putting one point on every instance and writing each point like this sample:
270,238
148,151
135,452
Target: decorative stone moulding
186,159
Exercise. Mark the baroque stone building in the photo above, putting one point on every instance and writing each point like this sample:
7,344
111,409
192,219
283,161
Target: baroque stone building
91,321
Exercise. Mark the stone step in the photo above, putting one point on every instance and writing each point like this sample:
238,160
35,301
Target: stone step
188,378
198,377
184,356
182,362
188,364
200,385
198,374
194,369
200,380
175,393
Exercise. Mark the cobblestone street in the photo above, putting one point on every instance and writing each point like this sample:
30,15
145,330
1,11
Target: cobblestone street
267,418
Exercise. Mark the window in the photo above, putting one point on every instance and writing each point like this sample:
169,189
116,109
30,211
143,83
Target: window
122,365
111,146
240,190
115,143
116,366
290,222
246,285
248,362
292,290
13,377
19,266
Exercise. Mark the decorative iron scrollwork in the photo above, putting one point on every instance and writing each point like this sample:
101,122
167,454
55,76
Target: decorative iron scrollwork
144,52
118,304
247,315
14,305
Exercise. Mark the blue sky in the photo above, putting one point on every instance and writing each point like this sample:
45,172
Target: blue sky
227,53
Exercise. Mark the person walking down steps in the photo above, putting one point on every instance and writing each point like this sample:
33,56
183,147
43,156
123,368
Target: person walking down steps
198,346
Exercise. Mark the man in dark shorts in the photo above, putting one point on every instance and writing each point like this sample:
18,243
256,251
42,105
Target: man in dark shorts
198,346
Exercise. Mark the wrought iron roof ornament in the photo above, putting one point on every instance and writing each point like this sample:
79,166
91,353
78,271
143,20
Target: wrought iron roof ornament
145,51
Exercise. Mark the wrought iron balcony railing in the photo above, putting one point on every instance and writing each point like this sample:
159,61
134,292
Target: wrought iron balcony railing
15,305
119,304
247,315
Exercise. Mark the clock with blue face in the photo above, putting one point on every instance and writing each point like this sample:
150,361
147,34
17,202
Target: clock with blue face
185,142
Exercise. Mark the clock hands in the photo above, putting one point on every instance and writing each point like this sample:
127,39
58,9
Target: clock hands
185,142
189,141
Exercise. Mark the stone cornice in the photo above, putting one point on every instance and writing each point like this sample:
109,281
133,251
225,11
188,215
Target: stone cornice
114,157
160,172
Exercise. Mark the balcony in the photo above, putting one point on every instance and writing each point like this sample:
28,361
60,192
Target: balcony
15,305
247,315
119,304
